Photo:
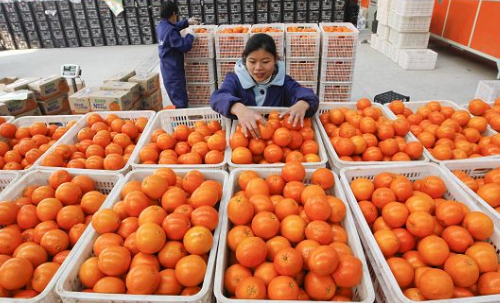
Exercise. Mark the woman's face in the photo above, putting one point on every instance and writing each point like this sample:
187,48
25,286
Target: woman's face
260,64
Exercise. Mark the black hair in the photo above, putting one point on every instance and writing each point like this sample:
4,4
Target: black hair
260,41
168,8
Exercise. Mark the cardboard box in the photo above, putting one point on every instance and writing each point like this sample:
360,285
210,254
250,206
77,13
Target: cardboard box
121,76
50,87
137,105
7,80
54,106
19,84
133,88
33,112
79,102
109,100
17,103
152,102
149,82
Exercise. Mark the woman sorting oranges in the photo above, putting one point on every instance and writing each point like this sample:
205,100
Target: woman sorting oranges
259,79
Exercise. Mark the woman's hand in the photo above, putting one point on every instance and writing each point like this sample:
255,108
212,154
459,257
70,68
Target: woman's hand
296,112
248,119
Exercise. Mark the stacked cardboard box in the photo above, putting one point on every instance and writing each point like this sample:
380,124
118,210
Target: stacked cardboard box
117,93
51,94
149,84
15,98
79,102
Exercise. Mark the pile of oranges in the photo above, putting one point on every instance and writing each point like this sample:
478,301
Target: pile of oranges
365,134
204,143
299,29
105,143
478,107
286,239
200,30
156,240
40,229
448,134
266,29
488,187
280,141
436,248
235,30
336,29
24,145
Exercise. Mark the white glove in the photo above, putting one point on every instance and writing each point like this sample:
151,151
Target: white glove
194,21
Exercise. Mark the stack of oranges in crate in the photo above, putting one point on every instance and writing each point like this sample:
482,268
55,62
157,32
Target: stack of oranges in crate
200,66
338,54
302,49
230,41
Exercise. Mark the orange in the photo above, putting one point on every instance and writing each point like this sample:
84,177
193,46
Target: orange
190,270
435,284
251,252
349,272
283,288
114,260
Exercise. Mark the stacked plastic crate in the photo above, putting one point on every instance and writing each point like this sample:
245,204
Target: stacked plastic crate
339,42
403,32
302,51
230,41
200,66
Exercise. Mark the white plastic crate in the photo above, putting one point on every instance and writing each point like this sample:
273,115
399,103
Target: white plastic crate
413,7
225,66
413,172
303,69
199,70
409,23
264,111
374,41
383,5
337,70
335,91
169,119
392,52
415,105
363,292
409,40
8,119
382,45
302,44
339,44
69,286
230,45
71,137
417,59
203,45
383,31
8,177
383,17
105,182
312,85
475,168
60,120
199,93
334,160
279,37
488,90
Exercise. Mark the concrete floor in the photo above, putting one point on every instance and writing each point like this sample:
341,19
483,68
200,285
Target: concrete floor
455,78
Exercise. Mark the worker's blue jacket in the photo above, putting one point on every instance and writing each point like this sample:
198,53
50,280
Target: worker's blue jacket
171,49
282,91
